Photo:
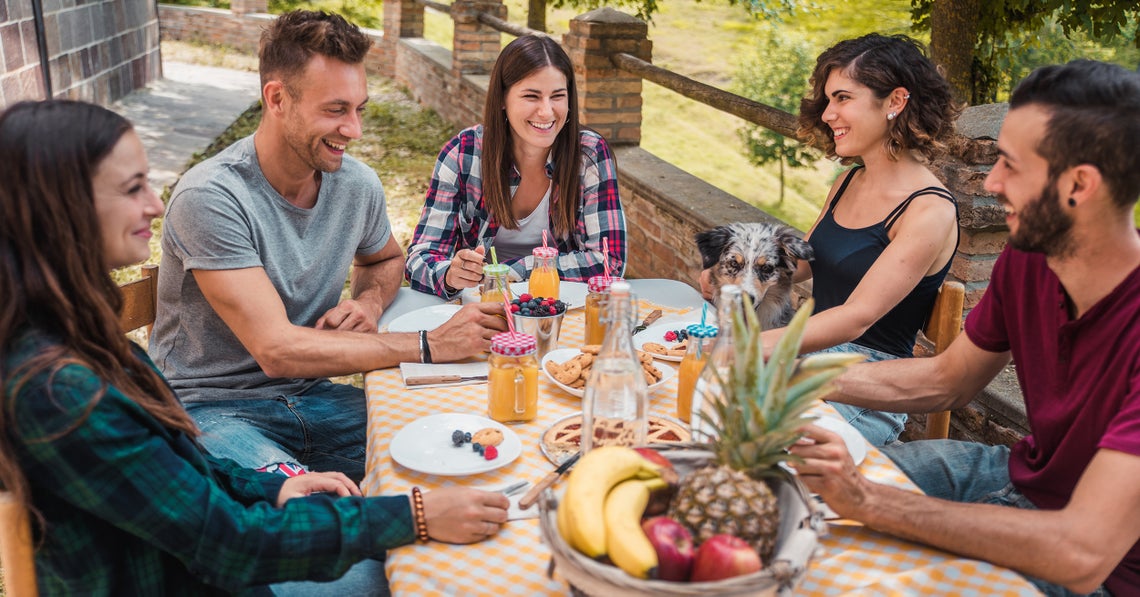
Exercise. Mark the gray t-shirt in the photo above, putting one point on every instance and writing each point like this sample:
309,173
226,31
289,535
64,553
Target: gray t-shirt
224,215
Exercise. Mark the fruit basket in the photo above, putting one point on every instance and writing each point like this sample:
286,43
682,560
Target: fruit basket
801,525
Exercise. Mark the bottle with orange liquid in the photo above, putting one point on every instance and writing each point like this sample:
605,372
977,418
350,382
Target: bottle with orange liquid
596,299
701,338
544,275
495,283
512,378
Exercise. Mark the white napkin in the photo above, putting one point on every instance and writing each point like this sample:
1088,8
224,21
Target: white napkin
514,512
433,369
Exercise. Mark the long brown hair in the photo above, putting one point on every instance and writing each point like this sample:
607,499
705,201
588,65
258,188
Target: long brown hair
521,58
53,275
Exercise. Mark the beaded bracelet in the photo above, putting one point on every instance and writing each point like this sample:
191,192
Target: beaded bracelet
420,519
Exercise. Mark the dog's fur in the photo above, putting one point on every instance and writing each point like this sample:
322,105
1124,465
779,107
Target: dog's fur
760,258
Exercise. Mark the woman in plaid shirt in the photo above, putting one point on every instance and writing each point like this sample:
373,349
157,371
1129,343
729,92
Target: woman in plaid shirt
550,174
94,441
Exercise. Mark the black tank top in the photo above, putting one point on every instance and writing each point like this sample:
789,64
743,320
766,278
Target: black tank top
842,258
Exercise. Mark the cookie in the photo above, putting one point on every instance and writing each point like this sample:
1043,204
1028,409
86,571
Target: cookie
591,348
655,348
565,373
488,436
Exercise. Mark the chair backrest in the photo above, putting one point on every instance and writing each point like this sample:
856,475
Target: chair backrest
942,328
140,298
16,560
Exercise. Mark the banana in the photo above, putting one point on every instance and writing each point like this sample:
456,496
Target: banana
626,542
592,478
564,527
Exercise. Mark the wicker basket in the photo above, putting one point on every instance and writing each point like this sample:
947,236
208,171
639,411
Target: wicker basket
800,528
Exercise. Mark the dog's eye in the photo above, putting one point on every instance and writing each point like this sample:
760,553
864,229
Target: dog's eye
765,270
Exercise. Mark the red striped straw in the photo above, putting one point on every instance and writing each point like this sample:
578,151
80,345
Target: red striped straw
544,245
507,307
606,256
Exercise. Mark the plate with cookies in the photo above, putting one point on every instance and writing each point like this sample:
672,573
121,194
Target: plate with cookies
661,340
454,444
569,368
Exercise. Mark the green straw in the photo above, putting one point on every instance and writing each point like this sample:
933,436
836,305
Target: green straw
494,259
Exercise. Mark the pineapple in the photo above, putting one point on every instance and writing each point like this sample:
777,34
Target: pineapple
757,412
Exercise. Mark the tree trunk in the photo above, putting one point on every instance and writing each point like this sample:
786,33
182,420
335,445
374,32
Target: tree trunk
536,15
953,34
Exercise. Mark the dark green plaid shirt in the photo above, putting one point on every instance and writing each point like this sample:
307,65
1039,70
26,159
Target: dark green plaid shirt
134,508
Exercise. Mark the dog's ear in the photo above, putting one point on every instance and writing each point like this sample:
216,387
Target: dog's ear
711,244
794,247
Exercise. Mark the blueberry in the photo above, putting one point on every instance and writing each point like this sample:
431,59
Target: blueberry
525,311
467,437
477,447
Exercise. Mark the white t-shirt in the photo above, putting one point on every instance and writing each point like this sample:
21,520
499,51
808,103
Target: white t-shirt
511,244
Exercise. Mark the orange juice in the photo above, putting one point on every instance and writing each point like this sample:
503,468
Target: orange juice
687,376
494,296
599,291
495,284
512,378
544,276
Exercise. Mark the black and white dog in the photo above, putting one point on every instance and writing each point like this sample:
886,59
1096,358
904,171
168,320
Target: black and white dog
760,258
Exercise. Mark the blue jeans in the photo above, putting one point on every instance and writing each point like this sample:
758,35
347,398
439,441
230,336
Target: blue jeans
968,472
323,429
880,428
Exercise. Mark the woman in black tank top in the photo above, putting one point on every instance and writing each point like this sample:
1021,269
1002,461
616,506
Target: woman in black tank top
886,236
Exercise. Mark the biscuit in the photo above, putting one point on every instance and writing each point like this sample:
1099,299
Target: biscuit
591,348
488,436
565,373
655,348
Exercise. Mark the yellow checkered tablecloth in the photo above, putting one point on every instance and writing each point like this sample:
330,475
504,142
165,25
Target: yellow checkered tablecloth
853,560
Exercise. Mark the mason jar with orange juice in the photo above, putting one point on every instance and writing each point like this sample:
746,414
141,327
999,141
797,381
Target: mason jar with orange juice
512,378
544,275
598,288
701,338
495,284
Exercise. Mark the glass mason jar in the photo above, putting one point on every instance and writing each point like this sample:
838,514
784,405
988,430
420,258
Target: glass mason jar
616,401
596,298
512,378
701,339
544,275
496,287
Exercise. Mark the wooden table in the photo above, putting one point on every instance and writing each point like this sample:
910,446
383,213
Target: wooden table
853,561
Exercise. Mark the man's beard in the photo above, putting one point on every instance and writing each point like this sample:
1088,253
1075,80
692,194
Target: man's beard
1043,227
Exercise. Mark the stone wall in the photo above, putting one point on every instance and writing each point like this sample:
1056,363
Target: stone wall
97,51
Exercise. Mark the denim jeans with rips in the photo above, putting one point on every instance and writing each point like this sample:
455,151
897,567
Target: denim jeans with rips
972,473
322,429
879,427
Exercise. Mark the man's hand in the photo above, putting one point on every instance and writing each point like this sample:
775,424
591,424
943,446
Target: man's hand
468,332
349,316
829,471
464,515
466,268
310,483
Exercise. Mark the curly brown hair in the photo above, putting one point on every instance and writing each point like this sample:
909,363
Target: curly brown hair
885,63
295,37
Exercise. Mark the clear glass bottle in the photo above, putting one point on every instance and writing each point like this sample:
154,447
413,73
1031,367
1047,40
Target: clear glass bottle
616,400
512,378
496,285
700,343
598,288
720,360
544,279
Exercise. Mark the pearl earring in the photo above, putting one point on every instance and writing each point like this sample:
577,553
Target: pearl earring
892,115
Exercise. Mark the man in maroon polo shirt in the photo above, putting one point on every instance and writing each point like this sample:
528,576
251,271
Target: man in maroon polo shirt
1064,303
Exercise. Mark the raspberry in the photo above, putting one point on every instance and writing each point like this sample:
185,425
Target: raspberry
524,297
490,452
553,311
670,336
515,308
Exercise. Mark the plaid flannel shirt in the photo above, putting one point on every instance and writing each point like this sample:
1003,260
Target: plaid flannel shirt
134,508
454,211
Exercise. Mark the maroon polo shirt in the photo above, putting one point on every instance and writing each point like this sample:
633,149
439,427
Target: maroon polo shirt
1080,379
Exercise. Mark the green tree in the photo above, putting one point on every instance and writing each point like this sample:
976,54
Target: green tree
777,76
973,39
645,9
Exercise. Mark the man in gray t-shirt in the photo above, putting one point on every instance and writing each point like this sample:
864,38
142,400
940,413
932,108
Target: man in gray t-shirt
257,244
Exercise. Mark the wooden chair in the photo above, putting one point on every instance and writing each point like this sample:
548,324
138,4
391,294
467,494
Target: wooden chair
944,325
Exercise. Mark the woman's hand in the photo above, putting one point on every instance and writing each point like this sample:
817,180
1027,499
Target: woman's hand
466,268
464,515
310,483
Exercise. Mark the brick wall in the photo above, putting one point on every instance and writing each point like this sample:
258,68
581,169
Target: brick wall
97,50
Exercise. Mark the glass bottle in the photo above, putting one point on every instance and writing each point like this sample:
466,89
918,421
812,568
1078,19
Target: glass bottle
598,292
719,362
495,283
544,275
616,399
512,378
700,343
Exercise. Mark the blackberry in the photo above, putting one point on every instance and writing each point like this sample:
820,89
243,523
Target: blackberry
457,437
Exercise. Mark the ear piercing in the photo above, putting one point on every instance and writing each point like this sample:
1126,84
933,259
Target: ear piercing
892,115
1072,202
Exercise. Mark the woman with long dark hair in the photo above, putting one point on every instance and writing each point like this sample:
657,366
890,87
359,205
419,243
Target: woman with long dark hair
95,443
529,168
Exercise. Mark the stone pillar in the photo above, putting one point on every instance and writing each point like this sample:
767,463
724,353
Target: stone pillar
241,7
475,45
981,219
609,99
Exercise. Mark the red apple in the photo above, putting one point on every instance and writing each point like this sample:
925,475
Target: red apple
668,473
724,556
674,546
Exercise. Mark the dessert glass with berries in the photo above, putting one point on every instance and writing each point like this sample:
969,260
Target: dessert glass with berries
540,317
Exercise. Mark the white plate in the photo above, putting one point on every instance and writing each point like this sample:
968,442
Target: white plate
656,333
424,445
571,293
424,318
856,445
565,354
